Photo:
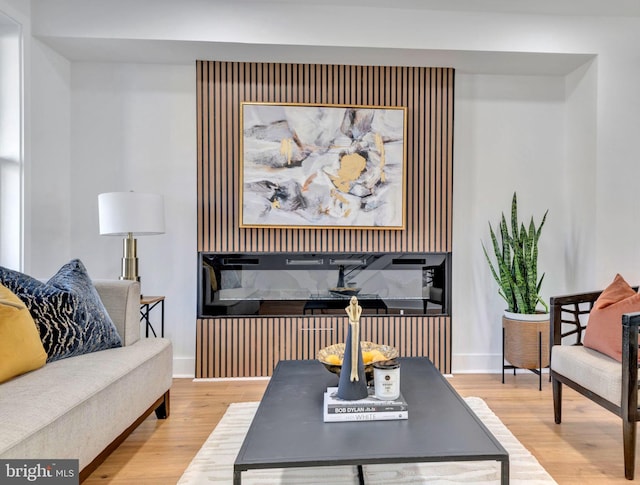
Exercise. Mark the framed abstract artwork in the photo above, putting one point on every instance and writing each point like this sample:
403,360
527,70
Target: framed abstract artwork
322,166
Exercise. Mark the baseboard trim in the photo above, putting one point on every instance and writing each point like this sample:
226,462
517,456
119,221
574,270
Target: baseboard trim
184,367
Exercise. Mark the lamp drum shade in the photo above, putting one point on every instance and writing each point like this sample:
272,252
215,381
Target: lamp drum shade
123,213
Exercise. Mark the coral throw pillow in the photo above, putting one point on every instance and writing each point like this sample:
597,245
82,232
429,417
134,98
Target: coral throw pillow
20,347
604,328
617,291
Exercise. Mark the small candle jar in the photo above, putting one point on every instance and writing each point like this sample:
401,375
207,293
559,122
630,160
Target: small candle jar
386,380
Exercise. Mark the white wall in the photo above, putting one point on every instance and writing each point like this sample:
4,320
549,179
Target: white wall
509,136
571,137
134,128
50,215
617,167
577,195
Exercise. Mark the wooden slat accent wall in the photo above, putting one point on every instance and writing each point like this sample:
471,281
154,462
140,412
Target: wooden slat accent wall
222,86
250,346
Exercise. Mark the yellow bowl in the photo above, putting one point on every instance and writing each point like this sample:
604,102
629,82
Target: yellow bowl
338,349
344,291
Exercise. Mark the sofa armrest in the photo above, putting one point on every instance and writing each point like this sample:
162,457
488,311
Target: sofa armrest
121,298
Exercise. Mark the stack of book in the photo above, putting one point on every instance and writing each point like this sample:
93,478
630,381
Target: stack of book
367,409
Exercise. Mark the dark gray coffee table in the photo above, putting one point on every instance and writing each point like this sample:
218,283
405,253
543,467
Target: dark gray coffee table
288,430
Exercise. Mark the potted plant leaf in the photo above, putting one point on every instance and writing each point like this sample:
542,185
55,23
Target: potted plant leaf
526,327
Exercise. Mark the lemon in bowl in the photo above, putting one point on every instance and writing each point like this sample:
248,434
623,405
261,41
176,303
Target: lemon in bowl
332,356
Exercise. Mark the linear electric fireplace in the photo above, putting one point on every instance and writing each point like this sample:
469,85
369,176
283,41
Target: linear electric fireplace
255,309
305,284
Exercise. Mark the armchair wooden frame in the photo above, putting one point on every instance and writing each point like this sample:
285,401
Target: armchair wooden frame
565,314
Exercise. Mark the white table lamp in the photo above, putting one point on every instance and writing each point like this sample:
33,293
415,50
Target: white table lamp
130,214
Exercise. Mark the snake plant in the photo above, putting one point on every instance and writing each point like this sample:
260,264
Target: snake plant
516,268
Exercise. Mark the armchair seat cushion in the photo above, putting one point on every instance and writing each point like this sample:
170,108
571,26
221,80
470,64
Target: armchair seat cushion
589,368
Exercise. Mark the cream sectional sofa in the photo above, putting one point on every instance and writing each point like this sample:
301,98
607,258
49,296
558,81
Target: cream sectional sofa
83,407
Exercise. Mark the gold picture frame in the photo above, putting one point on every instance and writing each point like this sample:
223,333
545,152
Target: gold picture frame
322,166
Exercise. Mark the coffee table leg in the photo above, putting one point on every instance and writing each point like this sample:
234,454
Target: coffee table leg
360,475
505,472
236,477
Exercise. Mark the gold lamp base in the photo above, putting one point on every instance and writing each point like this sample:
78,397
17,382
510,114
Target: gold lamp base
129,259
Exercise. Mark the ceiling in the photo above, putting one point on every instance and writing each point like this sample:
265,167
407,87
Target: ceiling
600,8
186,52
98,46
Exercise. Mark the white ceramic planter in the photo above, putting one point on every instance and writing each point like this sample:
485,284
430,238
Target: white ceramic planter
527,317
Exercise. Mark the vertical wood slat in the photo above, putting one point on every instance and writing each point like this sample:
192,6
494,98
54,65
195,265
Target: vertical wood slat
253,346
202,213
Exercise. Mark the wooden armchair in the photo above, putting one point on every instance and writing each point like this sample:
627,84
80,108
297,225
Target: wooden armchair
604,380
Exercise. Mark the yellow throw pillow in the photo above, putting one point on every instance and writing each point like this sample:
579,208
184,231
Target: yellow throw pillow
21,349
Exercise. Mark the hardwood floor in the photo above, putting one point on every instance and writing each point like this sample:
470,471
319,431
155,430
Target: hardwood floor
585,449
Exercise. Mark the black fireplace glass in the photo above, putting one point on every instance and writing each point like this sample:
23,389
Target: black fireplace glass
322,283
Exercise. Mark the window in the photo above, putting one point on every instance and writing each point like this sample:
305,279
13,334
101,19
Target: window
11,152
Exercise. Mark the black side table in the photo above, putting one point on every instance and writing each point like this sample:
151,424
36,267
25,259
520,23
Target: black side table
148,303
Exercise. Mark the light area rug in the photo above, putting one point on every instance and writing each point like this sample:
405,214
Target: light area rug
214,462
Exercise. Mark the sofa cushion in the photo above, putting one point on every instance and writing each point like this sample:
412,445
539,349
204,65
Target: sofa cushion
76,407
70,316
20,347
604,328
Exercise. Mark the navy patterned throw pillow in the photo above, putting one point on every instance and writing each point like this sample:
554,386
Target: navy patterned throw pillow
67,309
